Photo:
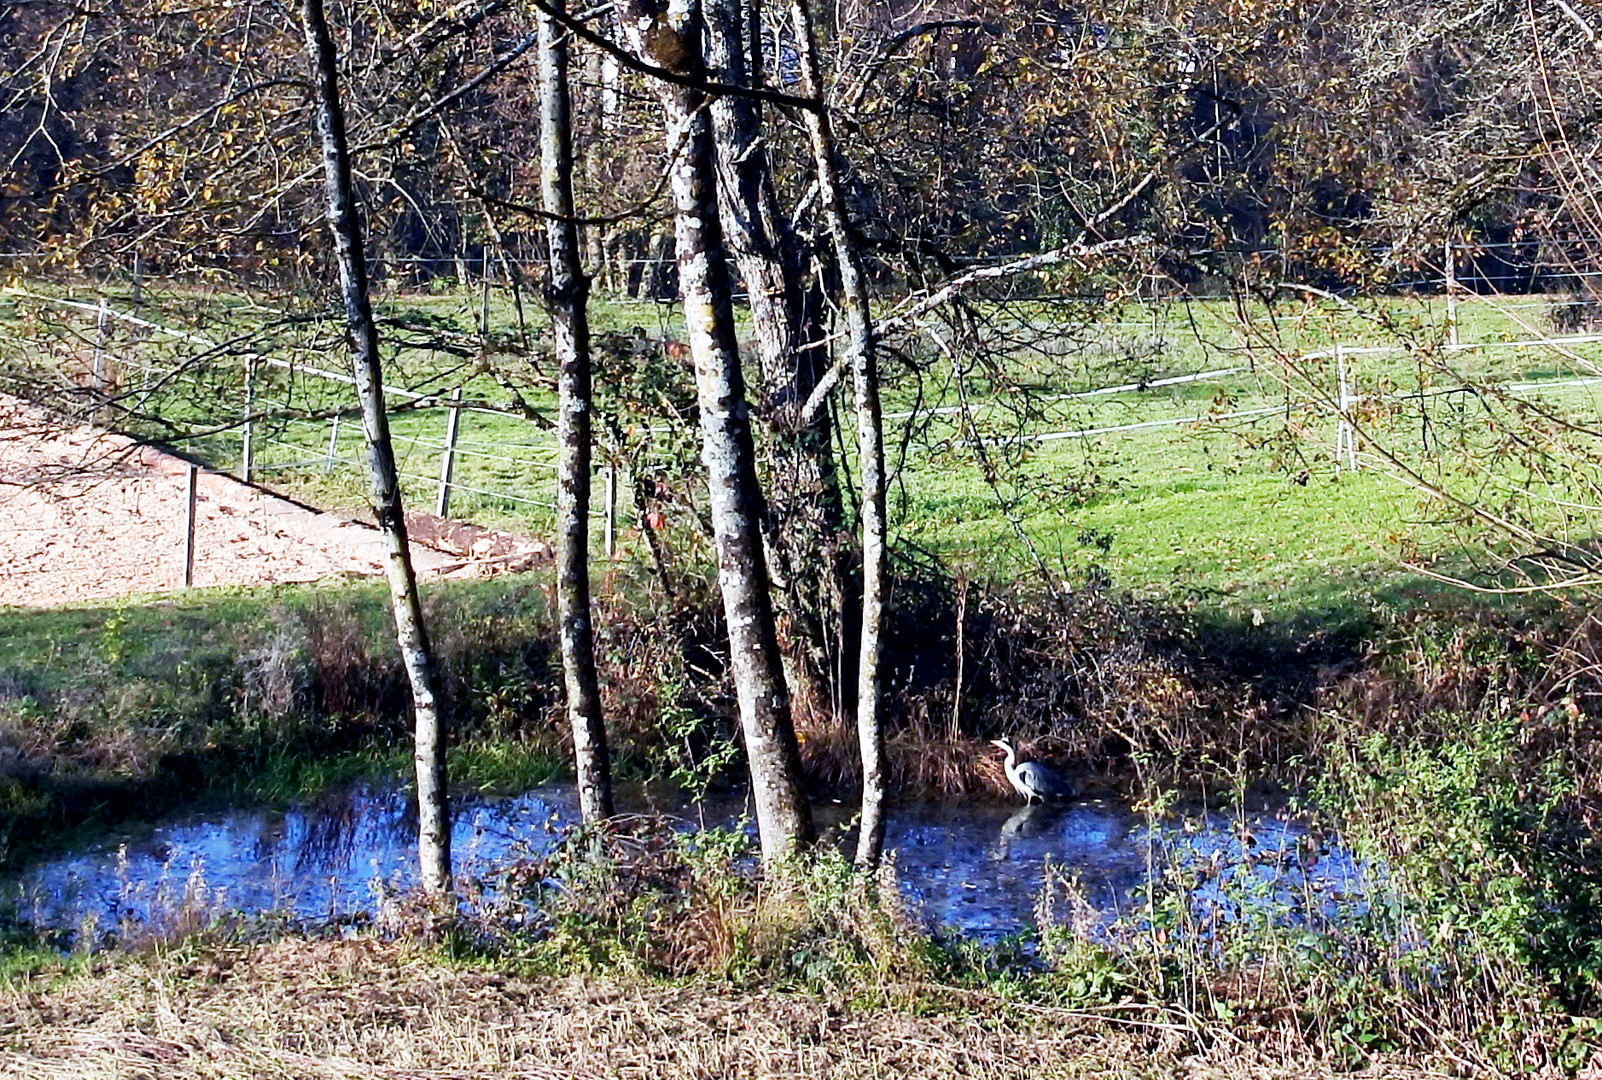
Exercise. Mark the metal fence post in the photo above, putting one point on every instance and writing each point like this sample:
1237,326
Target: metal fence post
1451,295
609,474
447,457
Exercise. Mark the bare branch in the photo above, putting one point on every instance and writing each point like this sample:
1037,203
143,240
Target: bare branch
677,78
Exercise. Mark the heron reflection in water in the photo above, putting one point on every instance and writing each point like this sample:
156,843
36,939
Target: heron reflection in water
1029,821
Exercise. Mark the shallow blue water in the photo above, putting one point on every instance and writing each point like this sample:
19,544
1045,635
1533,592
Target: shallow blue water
977,868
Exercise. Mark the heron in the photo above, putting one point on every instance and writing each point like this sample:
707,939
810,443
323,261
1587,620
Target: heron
1032,779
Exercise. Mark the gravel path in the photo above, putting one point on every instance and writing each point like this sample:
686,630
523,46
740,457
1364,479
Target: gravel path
88,515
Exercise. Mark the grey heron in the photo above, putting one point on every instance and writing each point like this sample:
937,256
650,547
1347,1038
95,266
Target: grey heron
1032,779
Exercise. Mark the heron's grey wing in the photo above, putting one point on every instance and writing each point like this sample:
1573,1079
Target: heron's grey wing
1045,781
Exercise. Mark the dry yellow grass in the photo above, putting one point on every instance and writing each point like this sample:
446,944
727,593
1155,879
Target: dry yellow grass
363,1008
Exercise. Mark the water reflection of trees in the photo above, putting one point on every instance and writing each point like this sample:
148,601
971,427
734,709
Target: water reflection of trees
333,829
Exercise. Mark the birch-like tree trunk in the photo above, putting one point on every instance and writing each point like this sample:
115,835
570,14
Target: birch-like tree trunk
805,516
754,229
433,812
859,350
672,38
567,296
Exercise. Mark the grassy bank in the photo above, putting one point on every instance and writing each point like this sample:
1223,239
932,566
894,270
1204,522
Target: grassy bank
124,709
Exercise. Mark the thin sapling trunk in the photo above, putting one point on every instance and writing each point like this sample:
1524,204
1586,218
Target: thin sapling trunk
859,350
422,669
567,294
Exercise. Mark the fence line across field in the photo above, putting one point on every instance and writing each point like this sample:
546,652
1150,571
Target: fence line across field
104,311
1348,397
100,309
1556,342
1103,391
453,446
450,448
446,482
1143,425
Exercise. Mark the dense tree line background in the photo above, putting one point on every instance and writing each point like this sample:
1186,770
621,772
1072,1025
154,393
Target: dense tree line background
1336,143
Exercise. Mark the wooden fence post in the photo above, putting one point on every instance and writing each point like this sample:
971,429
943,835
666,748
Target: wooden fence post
1451,295
190,500
447,457
333,445
247,450
610,475
97,372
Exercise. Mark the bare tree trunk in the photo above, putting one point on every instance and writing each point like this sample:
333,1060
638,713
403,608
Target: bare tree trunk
433,812
753,227
672,38
858,346
804,516
567,295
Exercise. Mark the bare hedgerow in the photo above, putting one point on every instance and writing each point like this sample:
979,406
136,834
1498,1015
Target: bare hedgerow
1095,676
350,681
498,660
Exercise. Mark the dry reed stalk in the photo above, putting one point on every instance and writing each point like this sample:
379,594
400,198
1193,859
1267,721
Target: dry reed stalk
921,763
362,1008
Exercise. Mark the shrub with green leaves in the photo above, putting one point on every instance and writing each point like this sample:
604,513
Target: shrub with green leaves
640,895
1493,876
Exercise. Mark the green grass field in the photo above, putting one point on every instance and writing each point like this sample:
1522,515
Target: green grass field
1222,488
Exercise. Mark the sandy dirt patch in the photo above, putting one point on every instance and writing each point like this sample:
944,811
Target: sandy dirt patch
86,514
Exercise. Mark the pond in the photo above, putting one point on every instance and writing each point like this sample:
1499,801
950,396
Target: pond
970,867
